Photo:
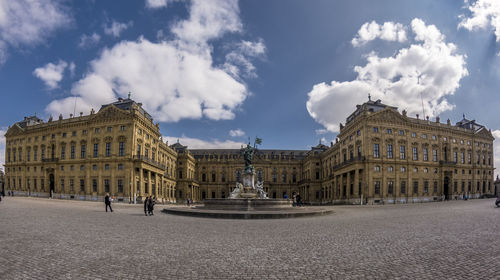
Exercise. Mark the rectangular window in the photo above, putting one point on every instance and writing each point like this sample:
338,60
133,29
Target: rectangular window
377,187
390,187
426,154
415,187
138,150
63,152
82,185
389,131
415,153
120,166
463,186
435,186
109,129
389,150
426,186
28,155
402,152
94,185
108,149
121,149
96,149
73,148
462,157
376,152
120,185
123,128
180,174
375,129
43,154
434,155
71,185
62,185
106,185
401,132
146,152
455,158
83,150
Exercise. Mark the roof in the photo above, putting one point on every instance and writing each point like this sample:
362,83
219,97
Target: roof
127,104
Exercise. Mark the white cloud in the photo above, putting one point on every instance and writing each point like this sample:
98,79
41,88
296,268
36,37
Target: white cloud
115,28
51,74
174,79
236,133
2,146
389,31
208,20
429,68
484,13
72,68
195,143
496,148
238,62
155,4
88,41
29,22
321,131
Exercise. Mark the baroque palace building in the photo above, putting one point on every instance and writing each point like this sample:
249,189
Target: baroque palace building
380,156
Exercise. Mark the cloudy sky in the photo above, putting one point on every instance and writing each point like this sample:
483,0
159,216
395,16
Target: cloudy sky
215,72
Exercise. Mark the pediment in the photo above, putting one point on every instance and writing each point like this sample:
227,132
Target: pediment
387,115
14,130
110,112
483,132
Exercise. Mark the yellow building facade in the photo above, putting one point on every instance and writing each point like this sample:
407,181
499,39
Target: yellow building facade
380,156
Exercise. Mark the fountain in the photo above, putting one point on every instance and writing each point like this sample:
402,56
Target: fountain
248,200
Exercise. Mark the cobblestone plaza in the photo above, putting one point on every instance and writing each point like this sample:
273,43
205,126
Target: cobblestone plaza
58,239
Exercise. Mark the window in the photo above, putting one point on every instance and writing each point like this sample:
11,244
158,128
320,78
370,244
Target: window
138,150
180,174
415,187
454,140
283,178
445,139
73,148
389,150
376,152
375,129
96,150
82,167
83,151
390,169
413,134
434,155
455,160
358,132
376,168
402,152
120,166
62,167
71,167
62,184
123,127
424,136
71,185
463,186
389,131
401,132
94,185
28,155
390,187
415,169
403,187
97,130
63,152
43,154
120,185
106,166
146,152
415,153
94,167
455,186
426,186
108,149
121,149
106,185
426,154
35,155
403,169
377,187
426,170
82,185
462,157
433,137
109,128
359,151
238,176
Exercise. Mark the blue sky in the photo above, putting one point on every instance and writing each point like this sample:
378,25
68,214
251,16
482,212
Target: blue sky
214,73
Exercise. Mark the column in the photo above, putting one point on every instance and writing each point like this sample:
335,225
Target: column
139,187
150,188
348,188
356,182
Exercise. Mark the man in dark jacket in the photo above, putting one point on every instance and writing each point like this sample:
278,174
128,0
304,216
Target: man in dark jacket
107,201
151,206
146,205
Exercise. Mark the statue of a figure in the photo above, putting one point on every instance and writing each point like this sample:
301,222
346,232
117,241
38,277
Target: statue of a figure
248,156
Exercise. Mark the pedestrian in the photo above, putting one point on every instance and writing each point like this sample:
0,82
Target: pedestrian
107,201
146,205
152,201
497,202
294,197
187,201
299,201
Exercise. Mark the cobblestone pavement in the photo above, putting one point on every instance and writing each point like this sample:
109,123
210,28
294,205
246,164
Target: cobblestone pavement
56,239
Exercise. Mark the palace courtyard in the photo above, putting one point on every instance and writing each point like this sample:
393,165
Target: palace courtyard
60,239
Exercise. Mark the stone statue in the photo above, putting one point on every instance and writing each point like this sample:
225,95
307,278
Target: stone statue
248,156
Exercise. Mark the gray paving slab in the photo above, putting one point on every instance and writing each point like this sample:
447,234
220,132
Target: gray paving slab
56,239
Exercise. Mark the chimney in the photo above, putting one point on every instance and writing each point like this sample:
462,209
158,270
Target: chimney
437,119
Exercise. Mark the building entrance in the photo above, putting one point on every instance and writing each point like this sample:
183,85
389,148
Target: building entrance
51,185
446,188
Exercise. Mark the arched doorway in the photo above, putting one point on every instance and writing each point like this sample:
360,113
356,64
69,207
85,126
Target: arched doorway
446,188
51,185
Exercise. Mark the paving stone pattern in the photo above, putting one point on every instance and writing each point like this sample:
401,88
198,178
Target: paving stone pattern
57,239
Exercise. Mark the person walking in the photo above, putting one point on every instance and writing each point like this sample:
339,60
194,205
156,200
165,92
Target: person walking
294,197
107,201
146,205
151,207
